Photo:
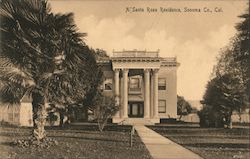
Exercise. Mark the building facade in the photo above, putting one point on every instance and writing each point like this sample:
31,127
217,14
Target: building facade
144,84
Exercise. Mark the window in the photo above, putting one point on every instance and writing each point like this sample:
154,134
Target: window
134,83
162,84
162,106
108,85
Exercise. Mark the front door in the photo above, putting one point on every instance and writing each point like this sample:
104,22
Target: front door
135,110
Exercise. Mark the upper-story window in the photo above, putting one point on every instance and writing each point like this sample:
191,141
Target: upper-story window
162,84
134,84
108,84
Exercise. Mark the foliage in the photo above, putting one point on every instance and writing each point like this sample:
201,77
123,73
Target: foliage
105,108
210,118
32,142
65,113
51,118
242,55
93,81
95,77
223,96
42,55
228,90
183,107
100,53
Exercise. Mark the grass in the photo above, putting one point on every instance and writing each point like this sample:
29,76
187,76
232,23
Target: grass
80,141
209,143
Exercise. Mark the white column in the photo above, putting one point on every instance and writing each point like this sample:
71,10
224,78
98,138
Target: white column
117,91
151,96
125,93
146,93
155,74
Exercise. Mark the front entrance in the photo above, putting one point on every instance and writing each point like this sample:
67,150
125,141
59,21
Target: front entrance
135,110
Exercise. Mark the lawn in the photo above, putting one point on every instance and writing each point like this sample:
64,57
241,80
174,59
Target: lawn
82,141
210,143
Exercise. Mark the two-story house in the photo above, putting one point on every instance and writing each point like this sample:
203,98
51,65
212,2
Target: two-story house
143,83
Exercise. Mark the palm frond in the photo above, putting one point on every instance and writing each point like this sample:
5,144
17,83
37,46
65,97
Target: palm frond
11,93
16,76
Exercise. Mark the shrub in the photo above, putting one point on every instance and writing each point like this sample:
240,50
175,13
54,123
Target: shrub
210,118
52,118
105,108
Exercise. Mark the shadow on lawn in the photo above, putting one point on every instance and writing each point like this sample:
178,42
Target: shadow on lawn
67,131
83,126
89,138
13,134
11,144
117,128
218,145
206,136
198,130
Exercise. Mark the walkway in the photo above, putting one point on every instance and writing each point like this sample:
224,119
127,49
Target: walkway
160,147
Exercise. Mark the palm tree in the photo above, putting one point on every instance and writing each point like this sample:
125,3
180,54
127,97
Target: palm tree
42,55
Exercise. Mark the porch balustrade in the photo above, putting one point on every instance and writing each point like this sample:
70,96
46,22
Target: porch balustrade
136,53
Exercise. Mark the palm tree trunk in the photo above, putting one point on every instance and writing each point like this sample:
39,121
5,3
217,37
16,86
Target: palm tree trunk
39,112
39,131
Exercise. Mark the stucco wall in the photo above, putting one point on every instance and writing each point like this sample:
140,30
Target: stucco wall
3,112
170,94
20,115
10,114
26,114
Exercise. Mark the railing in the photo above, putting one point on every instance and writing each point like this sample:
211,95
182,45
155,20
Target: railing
136,53
135,90
169,59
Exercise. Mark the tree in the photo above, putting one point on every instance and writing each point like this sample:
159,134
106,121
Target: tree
242,55
210,117
105,108
95,78
100,53
42,55
224,95
228,90
232,79
183,107
68,102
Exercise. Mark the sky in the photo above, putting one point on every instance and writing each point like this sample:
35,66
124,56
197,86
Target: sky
195,38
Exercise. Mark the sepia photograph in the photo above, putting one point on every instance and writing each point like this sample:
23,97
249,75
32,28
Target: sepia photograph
124,79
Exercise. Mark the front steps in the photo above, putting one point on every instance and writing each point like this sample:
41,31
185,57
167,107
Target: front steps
135,121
